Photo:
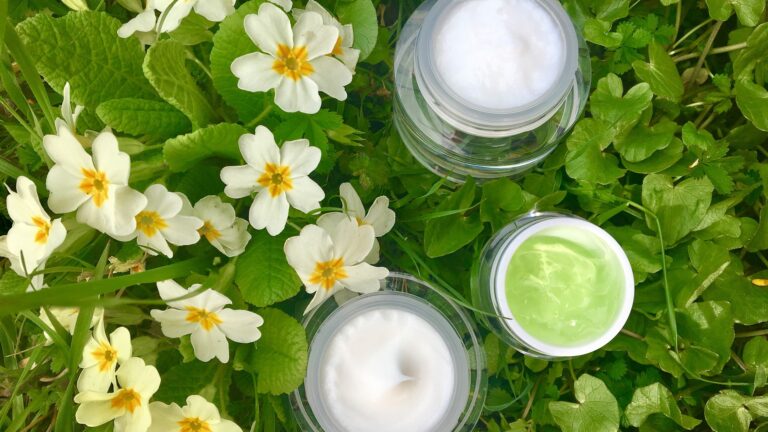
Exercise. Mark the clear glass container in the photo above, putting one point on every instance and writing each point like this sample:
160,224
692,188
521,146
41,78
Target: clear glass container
456,138
402,292
489,285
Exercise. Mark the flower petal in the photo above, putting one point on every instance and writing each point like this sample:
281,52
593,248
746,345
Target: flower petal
215,10
65,194
24,204
209,344
269,28
170,289
227,425
255,72
310,32
313,245
380,216
352,203
364,278
128,203
305,195
301,95
269,212
240,180
198,407
300,156
321,295
138,421
240,325
329,221
143,22
95,409
164,417
212,300
373,255
211,208
331,76
166,204
173,322
65,150
173,17
259,149
233,239
351,242
182,230
108,158
120,339
95,379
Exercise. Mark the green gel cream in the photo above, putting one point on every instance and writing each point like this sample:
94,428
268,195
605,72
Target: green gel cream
565,286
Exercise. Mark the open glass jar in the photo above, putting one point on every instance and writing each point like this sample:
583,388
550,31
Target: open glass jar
458,129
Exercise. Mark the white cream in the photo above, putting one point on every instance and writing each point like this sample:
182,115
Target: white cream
387,370
499,54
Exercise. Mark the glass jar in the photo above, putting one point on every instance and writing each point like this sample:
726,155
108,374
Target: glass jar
457,138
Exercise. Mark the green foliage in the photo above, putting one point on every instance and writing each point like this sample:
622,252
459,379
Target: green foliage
263,274
219,140
280,358
362,15
656,399
596,410
143,117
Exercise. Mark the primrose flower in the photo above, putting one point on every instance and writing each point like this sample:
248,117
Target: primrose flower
212,10
280,176
205,318
295,61
286,5
33,236
67,317
101,356
379,216
223,230
330,260
142,23
198,415
161,222
127,404
96,187
68,115
342,50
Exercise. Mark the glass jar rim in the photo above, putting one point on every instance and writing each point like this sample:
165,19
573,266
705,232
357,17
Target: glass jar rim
484,121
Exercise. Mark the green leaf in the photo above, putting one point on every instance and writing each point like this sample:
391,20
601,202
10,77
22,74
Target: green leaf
729,411
586,160
501,198
658,161
749,303
280,359
11,283
362,15
709,325
752,100
218,140
263,274
193,30
599,32
597,410
84,49
654,399
756,352
143,117
620,113
445,235
641,249
643,140
661,73
760,240
748,11
165,67
185,379
680,208
230,42
751,56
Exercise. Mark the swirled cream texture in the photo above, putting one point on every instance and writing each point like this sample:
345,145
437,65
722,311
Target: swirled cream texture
387,370
499,54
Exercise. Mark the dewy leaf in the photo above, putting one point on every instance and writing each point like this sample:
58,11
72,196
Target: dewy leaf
184,151
143,117
752,100
444,235
586,160
597,410
656,399
263,274
661,73
680,208
280,359
620,113
84,49
230,42
165,67
748,11
729,411
362,15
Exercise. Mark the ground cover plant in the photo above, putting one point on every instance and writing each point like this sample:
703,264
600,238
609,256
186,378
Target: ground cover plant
175,168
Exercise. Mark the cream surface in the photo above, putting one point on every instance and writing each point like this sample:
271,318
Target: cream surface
387,370
499,54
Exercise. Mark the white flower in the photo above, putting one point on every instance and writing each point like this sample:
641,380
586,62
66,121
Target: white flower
342,50
213,10
68,116
144,22
205,318
67,317
294,62
379,216
198,415
96,187
36,282
328,261
225,231
127,405
33,236
101,356
161,222
285,4
279,175
76,5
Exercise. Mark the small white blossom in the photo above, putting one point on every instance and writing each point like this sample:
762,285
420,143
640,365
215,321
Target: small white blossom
212,10
161,222
205,318
379,216
127,404
221,227
280,176
101,356
68,115
342,50
328,261
96,187
142,23
198,415
294,61
67,317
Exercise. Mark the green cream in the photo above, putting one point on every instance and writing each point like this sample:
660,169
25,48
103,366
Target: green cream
565,286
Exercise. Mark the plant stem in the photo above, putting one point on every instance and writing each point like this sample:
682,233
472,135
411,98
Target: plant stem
262,115
705,52
718,50
691,32
530,398
752,333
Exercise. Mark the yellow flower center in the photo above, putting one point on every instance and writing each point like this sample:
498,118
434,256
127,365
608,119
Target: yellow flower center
194,424
292,62
127,399
43,229
149,222
328,272
337,49
276,178
95,184
105,355
208,231
203,317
